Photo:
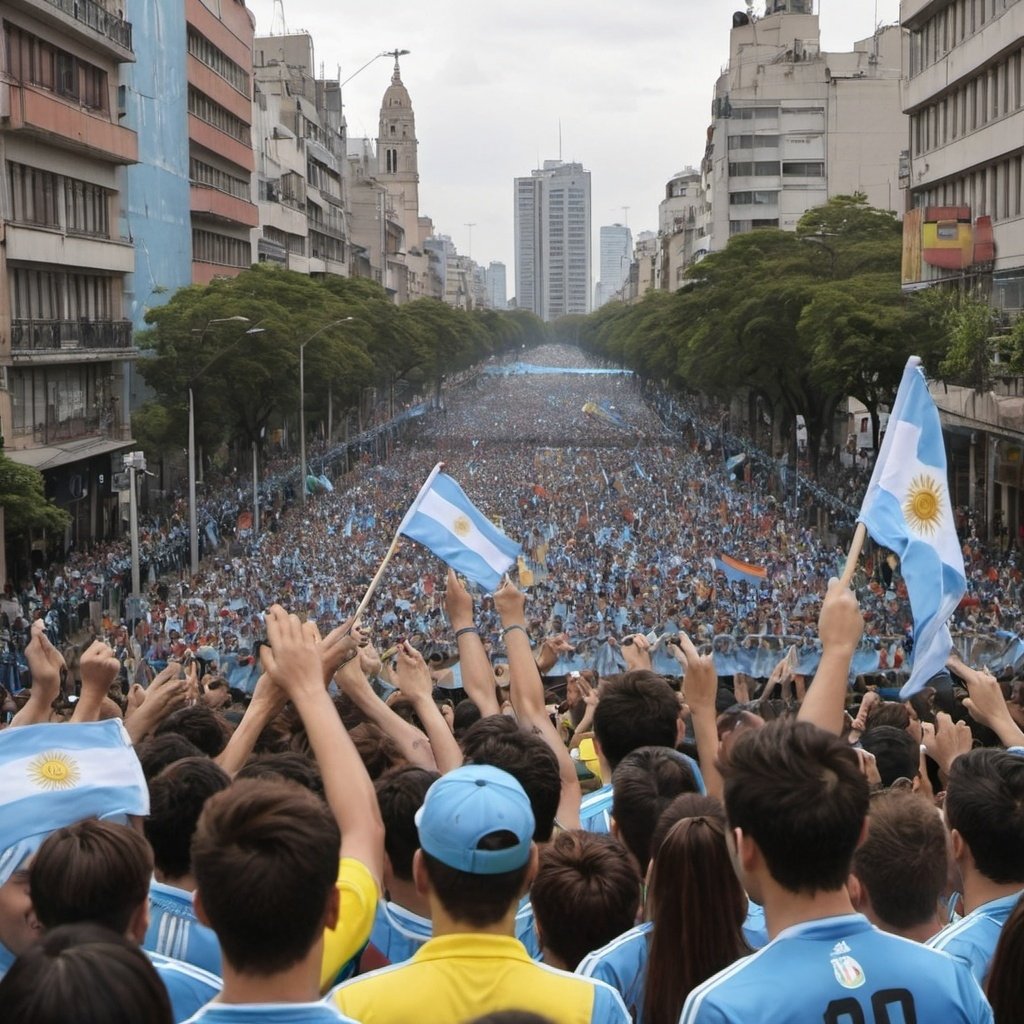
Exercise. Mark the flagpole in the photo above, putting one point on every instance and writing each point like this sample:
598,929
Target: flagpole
852,558
375,582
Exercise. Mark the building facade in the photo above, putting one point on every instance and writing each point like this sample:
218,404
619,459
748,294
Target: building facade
65,335
497,288
793,125
552,240
678,227
616,245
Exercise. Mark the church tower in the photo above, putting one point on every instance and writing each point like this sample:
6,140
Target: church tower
397,168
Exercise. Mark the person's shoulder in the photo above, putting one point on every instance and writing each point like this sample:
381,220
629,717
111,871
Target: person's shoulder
629,945
607,1005
179,970
321,1012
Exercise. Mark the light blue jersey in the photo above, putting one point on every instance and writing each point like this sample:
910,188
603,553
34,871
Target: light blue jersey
973,938
189,988
270,1013
397,933
175,931
7,959
622,963
840,970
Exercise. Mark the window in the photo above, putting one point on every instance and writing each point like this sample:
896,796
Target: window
56,295
391,159
803,169
753,198
210,247
206,53
86,208
34,195
201,106
202,173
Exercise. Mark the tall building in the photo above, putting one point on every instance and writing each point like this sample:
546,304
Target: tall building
793,126
678,231
219,40
397,160
497,289
552,234
965,98
616,256
65,337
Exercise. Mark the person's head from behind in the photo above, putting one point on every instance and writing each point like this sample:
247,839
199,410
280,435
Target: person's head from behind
286,765
693,891
265,861
985,812
87,974
466,715
688,805
645,782
501,742
155,753
636,709
93,871
796,801
586,892
899,871
476,855
400,794
176,798
897,756
890,713
19,926
200,725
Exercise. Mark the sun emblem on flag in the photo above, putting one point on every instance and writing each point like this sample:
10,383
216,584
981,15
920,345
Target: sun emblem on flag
461,526
922,507
54,770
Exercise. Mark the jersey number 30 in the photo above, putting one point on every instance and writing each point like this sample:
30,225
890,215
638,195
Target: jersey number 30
849,1010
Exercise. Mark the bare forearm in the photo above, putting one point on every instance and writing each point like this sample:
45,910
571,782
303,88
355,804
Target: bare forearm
826,697
443,745
477,675
705,730
37,709
257,717
411,742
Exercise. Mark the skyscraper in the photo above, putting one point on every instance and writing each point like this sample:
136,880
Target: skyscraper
616,255
552,227
497,295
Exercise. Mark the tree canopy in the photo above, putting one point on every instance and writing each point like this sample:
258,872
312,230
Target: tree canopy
24,501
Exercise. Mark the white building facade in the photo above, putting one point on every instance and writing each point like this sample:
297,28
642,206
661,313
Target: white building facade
616,244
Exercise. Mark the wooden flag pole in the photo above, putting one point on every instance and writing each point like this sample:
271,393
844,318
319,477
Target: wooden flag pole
854,555
374,582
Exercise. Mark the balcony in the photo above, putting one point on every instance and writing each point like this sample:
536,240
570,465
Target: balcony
89,20
61,341
223,207
36,243
43,115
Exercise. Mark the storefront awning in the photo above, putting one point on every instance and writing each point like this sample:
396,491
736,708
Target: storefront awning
52,456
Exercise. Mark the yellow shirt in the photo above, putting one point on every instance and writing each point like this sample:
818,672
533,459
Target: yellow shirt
358,893
459,977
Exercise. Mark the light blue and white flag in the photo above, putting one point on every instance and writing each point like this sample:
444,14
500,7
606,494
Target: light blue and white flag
54,775
444,520
907,508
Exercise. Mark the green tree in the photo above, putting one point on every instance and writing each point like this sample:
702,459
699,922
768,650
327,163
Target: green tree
24,501
971,325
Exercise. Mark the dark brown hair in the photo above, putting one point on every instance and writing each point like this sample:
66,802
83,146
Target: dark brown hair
799,793
92,871
265,859
637,709
903,862
1004,985
698,907
400,794
586,892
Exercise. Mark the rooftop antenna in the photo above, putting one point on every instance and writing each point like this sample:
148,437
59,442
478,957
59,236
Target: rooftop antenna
559,140
625,214
278,13
471,224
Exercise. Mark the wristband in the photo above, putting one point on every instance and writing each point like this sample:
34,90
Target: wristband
508,629
465,630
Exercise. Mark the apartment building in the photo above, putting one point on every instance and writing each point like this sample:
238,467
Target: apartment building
65,339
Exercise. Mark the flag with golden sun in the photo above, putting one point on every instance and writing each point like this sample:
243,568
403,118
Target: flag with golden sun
55,774
907,509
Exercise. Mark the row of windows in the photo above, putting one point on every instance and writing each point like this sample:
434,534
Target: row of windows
770,169
753,198
56,201
206,53
295,244
950,27
57,394
995,92
40,63
210,247
738,227
57,295
996,191
214,114
201,173
753,142
324,247
754,113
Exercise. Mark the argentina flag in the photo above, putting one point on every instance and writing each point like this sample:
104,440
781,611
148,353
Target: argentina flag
54,775
444,520
907,508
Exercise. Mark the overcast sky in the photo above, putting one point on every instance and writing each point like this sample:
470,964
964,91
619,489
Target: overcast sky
631,83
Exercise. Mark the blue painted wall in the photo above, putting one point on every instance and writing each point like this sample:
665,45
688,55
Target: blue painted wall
156,103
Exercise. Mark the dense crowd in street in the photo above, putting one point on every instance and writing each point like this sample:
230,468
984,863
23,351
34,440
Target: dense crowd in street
554,803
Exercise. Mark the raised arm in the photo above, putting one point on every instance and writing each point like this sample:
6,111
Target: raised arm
987,705
45,663
99,668
413,679
527,693
840,626
477,676
700,687
293,662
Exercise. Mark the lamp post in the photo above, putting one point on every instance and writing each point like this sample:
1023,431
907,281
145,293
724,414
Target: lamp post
302,396
193,532
377,56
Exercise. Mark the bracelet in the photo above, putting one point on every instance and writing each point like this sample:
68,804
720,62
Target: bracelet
508,629
465,630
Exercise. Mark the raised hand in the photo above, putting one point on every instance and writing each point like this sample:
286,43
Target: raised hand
636,652
510,603
458,602
99,667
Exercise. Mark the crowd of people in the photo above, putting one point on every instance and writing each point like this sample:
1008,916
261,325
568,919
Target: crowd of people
550,803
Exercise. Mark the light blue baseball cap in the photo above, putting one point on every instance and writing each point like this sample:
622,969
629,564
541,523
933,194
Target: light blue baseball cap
463,807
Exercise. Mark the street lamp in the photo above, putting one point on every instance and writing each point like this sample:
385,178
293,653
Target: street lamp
377,56
193,532
302,396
